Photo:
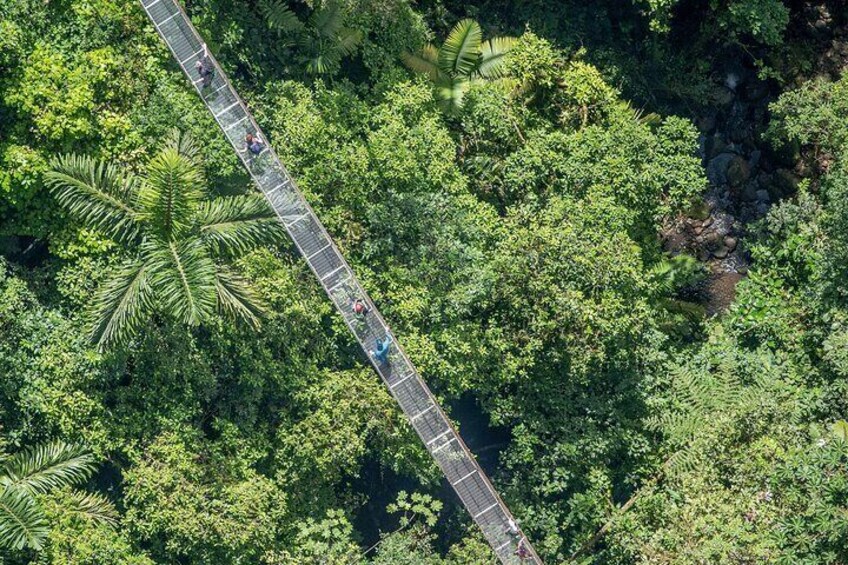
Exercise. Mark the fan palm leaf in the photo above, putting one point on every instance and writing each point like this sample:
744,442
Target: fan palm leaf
121,304
494,52
46,467
96,193
237,224
184,277
22,521
460,53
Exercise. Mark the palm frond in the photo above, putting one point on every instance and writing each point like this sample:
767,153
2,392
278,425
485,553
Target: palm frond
234,225
347,40
451,92
425,62
184,144
494,52
460,53
97,193
184,277
237,299
92,506
322,63
22,521
280,17
121,304
172,188
46,467
326,21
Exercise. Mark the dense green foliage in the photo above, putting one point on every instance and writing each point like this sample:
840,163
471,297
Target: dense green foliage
501,200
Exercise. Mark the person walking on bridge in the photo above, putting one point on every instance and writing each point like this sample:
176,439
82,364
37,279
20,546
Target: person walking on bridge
360,308
254,144
205,68
381,351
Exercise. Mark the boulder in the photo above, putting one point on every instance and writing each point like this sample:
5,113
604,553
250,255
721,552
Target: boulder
717,168
738,171
714,146
730,243
749,193
721,252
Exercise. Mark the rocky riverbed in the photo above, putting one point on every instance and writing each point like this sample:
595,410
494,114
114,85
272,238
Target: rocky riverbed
746,175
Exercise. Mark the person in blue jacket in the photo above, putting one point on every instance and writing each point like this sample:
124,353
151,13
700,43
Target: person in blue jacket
381,351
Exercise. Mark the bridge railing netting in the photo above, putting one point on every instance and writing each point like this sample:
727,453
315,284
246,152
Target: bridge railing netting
335,275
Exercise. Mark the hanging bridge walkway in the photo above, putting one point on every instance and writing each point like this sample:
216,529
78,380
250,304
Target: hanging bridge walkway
405,384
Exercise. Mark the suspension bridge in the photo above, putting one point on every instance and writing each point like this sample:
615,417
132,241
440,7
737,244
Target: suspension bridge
441,439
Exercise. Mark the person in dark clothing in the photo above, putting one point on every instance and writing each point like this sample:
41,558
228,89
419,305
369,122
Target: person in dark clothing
205,68
522,552
254,144
381,352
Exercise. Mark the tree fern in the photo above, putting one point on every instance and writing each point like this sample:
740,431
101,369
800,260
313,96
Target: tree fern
322,41
706,390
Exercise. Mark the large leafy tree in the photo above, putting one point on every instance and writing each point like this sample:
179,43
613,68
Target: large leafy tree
463,59
37,471
180,242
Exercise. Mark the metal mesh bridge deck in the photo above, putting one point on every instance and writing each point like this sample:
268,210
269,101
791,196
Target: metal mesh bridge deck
335,275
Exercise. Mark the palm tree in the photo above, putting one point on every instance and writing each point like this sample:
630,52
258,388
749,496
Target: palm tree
37,471
180,242
463,59
323,40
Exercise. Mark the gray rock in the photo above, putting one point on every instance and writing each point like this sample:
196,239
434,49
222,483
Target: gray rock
763,195
738,171
714,146
754,160
706,223
717,168
749,193
721,252
730,242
